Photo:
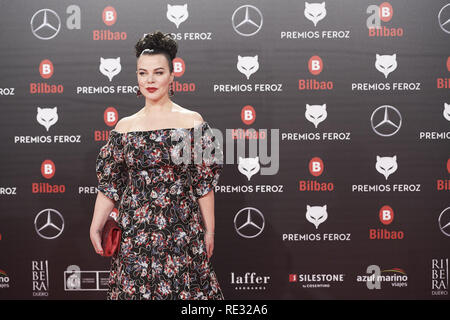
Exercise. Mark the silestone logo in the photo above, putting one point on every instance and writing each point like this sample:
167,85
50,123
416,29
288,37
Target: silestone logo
317,280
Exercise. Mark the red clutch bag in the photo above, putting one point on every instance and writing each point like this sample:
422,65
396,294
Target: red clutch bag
111,235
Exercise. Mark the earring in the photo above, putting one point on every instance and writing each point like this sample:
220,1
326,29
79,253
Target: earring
138,93
171,90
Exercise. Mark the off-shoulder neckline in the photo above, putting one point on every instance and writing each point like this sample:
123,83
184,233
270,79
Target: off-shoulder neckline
157,130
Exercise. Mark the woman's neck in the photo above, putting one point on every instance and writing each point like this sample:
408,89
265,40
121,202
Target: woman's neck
159,106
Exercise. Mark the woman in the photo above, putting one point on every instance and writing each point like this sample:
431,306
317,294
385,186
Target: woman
166,208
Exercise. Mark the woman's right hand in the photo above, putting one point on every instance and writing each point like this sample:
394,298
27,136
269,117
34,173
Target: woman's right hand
96,240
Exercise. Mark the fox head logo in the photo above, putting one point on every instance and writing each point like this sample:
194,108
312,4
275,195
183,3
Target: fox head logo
248,65
177,14
446,112
386,63
315,12
110,67
316,113
248,166
316,214
386,165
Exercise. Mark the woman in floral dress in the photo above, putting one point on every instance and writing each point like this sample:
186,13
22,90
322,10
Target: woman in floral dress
162,180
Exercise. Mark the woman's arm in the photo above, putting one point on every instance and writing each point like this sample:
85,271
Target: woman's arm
102,209
206,204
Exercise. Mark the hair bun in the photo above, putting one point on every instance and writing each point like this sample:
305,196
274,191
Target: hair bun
159,42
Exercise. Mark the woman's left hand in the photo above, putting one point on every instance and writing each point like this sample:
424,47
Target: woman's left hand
209,242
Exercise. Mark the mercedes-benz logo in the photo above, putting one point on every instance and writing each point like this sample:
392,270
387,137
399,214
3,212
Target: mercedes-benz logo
444,18
249,222
444,221
45,24
386,121
247,20
49,224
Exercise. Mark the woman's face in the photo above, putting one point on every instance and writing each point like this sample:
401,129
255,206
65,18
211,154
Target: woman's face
153,72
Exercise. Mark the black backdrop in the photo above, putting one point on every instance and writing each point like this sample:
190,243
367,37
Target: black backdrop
290,258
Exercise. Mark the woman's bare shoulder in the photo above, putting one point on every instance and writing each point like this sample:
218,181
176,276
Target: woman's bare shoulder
191,118
124,124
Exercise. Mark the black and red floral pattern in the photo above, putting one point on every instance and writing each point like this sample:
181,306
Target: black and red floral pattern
162,253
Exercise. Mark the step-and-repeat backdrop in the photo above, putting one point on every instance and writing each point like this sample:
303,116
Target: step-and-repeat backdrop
337,175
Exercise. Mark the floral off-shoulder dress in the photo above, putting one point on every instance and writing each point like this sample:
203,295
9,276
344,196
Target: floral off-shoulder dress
156,177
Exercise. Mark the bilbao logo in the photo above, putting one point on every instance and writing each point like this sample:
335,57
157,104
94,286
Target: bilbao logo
110,116
379,15
46,70
315,65
248,115
444,183
109,18
386,217
179,68
48,169
316,168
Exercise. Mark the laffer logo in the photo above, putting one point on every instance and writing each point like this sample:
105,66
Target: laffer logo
249,281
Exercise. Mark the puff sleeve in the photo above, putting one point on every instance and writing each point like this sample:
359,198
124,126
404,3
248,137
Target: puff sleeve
206,162
112,174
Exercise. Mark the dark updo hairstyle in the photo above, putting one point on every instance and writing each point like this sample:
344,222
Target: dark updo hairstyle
160,43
